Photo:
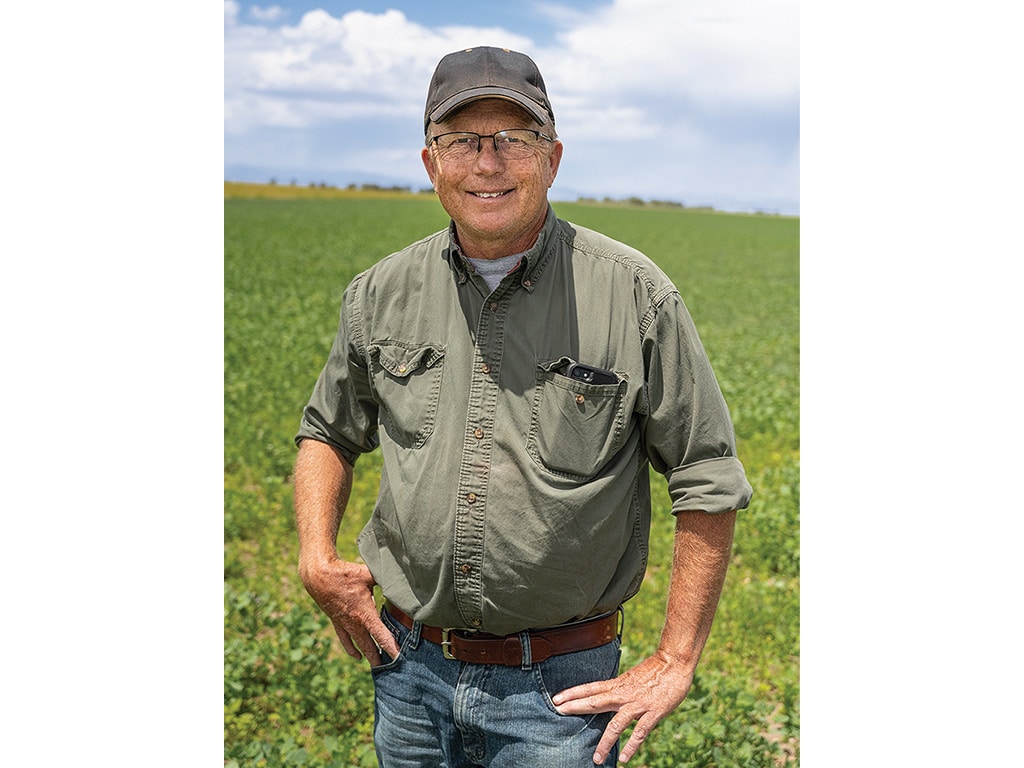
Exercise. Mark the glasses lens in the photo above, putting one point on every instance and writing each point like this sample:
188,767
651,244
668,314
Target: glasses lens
457,146
514,144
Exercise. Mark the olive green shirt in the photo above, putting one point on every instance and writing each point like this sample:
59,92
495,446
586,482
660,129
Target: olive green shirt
512,496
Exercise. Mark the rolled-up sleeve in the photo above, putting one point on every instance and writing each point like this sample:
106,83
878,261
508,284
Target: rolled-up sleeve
342,411
688,431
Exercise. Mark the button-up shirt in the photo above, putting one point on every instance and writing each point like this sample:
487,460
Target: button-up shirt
513,496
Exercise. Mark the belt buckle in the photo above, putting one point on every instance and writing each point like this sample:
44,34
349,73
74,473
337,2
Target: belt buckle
446,643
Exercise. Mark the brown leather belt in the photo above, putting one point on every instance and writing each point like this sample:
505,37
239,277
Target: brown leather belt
482,648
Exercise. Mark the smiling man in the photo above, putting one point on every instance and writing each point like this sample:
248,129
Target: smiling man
520,376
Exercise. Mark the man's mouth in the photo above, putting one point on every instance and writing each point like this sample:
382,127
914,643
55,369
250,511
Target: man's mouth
490,195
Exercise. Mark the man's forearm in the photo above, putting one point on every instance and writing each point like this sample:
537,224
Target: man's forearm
323,482
703,544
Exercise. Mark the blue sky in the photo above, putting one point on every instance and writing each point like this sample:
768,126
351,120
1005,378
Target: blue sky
695,102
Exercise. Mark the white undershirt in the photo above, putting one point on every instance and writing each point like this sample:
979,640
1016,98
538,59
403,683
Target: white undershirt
492,270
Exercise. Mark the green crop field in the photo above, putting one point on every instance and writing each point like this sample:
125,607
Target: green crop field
291,696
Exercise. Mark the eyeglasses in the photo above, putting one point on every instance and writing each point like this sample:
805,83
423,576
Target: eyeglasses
513,144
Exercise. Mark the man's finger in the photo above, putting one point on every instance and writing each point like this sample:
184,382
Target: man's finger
374,637
372,654
611,735
388,644
382,638
641,731
586,699
346,641
367,644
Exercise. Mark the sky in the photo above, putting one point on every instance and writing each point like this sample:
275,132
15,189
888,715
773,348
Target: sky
694,102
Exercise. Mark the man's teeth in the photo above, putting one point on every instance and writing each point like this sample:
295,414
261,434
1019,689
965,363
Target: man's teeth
488,194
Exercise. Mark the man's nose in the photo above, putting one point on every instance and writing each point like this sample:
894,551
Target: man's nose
487,156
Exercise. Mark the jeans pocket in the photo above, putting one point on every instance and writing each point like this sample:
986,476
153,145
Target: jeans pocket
402,637
571,669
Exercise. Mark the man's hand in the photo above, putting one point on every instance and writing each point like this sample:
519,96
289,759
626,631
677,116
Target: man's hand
344,591
647,693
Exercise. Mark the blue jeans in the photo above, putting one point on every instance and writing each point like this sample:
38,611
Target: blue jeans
433,712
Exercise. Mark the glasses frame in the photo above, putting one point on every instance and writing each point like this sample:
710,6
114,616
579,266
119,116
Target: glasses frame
481,136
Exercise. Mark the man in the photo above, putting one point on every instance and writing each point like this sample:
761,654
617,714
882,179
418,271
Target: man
520,375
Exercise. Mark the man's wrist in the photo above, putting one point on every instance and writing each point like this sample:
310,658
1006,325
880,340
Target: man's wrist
310,562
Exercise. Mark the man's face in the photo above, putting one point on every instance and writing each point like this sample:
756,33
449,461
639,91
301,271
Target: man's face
498,205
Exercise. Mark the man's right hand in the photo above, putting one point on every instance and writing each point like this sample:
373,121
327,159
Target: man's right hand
344,591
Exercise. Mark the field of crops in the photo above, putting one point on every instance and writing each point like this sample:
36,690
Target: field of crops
291,696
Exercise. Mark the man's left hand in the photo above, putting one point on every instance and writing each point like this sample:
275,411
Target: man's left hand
647,693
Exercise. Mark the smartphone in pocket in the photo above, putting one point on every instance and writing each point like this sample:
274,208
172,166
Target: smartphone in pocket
590,375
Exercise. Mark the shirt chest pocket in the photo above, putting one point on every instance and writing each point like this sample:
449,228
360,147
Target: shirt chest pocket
576,427
407,380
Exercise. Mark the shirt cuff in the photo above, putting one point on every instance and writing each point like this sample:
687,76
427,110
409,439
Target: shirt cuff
308,430
714,486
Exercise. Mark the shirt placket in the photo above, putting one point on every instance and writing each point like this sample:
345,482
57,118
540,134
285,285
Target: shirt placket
477,447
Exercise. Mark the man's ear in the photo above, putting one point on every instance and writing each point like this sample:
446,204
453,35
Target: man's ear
428,163
555,160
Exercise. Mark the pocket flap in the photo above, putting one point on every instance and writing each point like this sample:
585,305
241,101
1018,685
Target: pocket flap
401,361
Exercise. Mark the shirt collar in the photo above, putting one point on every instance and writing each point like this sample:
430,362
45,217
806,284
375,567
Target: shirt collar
535,258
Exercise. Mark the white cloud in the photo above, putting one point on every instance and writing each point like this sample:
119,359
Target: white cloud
716,52
581,119
273,13
351,65
230,13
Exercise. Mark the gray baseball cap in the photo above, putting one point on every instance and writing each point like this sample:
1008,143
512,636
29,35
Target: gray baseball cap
486,73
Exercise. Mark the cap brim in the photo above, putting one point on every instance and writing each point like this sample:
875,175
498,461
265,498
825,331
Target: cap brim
537,111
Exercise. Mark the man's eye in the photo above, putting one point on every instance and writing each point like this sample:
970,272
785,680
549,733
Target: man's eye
464,140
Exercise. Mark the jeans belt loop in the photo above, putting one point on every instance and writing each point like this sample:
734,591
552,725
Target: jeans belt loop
524,641
415,633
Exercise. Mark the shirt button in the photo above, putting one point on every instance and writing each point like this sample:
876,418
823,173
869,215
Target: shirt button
527,283
476,622
494,306
402,368
466,568
485,368
580,399
478,433
471,497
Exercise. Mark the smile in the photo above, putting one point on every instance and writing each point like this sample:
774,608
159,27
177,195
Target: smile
489,195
